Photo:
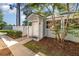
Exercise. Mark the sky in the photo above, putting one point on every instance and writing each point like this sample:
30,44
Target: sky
9,15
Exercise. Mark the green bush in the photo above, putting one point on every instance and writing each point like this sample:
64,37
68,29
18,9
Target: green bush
18,34
12,33
4,31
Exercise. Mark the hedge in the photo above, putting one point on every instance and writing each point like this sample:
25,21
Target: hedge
12,33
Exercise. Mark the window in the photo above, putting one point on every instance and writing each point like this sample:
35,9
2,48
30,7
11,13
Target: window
48,24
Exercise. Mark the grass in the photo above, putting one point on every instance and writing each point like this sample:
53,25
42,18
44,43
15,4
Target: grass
38,47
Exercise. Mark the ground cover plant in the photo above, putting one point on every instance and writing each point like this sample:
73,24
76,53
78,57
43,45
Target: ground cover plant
12,33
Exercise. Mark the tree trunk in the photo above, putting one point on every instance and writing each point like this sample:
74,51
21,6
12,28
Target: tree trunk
18,14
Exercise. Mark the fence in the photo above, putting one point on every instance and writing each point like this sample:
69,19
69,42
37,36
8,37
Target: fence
25,30
29,31
7,27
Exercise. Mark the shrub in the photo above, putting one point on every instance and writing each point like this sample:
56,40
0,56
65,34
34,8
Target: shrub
4,31
13,34
18,34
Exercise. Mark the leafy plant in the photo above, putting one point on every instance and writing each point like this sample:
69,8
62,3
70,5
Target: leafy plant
13,34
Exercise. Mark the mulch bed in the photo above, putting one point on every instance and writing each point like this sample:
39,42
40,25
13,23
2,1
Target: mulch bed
53,48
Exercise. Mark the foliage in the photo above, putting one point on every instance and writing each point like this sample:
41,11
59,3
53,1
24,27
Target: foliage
2,23
37,8
13,34
30,23
25,23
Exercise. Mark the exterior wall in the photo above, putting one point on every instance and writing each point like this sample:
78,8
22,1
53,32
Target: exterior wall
35,30
37,24
41,30
72,38
29,31
49,33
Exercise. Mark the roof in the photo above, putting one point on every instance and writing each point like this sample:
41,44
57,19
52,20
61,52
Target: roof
59,17
32,17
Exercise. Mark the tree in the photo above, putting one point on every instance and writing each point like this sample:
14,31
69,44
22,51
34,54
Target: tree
25,23
17,6
18,14
55,26
2,23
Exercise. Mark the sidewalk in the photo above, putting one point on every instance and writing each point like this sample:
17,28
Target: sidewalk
16,48
23,40
20,50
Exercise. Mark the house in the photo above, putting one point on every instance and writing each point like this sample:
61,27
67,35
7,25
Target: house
40,26
40,29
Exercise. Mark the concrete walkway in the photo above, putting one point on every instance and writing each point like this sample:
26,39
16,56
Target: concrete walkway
2,44
16,48
20,50
23,40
